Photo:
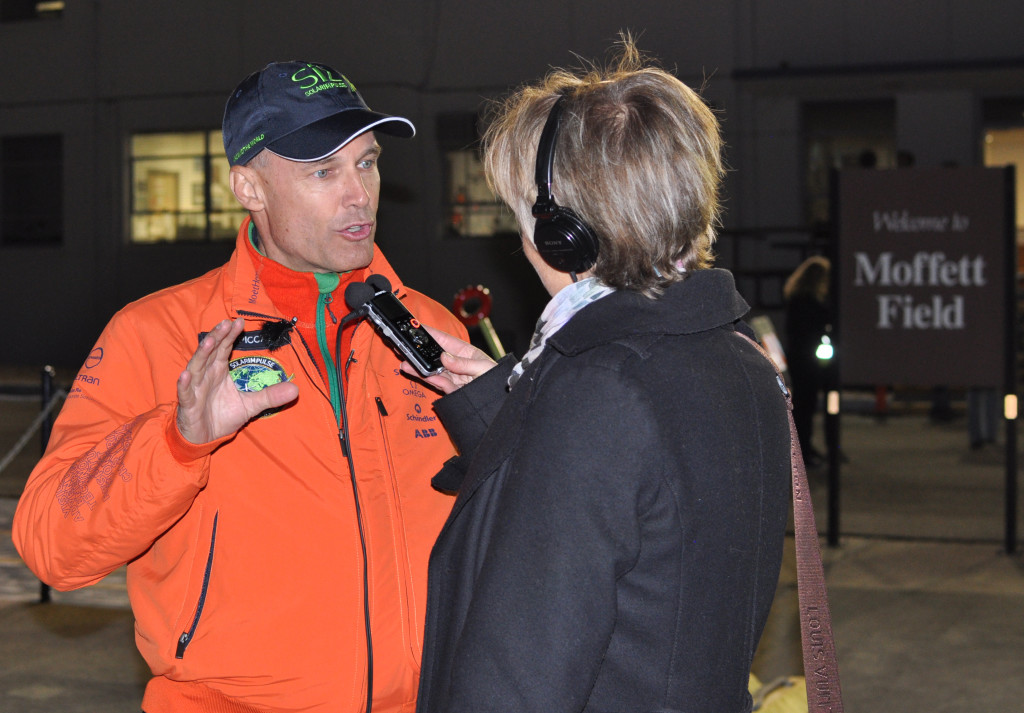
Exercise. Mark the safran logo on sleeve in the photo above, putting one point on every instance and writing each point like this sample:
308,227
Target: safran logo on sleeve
94,358
255,373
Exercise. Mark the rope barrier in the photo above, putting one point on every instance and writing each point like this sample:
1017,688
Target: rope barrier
36,423
19,397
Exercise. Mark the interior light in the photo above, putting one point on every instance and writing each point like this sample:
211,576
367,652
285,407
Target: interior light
824,350
832,403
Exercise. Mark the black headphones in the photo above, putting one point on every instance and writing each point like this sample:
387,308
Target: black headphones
563,240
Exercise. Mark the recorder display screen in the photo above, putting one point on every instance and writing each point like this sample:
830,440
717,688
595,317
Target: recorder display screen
392,309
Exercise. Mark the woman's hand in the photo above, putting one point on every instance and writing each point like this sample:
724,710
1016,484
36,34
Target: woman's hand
462,363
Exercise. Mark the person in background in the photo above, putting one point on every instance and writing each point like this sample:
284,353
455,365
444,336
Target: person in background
623,489
808,318
982,416
251,451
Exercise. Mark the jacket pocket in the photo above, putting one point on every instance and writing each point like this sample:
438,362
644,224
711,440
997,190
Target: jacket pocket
399,538
186,636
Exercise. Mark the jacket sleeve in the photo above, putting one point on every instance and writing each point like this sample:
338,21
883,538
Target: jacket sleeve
565,529
466,414
116,472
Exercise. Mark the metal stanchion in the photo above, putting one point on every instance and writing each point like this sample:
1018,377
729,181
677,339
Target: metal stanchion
44,437
832,411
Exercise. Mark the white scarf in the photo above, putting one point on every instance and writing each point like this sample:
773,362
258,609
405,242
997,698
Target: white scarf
567,302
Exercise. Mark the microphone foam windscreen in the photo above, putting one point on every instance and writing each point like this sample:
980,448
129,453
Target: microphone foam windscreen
379,283
357,294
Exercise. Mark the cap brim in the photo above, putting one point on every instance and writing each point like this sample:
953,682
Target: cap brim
322,138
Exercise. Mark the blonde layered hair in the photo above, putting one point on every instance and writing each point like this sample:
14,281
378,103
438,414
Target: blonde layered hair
809,279
638,158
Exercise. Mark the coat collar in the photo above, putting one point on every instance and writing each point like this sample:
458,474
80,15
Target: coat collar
249,294
705,300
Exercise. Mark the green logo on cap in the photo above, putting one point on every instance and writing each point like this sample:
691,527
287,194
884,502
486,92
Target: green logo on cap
315,78
247,147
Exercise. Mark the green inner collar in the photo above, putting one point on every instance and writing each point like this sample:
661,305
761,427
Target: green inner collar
327,282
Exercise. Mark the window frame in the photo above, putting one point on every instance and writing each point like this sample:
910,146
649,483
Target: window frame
42,165
215,222
466,200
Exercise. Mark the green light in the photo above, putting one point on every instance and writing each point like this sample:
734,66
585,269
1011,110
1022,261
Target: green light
824,350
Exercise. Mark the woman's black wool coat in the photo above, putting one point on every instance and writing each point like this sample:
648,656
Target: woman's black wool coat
617,535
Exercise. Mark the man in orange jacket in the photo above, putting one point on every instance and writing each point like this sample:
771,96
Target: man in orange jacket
260,463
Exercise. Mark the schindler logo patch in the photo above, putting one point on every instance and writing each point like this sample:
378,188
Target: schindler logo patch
255,373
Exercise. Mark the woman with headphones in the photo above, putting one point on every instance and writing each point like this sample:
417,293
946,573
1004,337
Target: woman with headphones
623,489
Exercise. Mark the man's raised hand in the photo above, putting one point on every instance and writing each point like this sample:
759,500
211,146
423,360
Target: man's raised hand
210,406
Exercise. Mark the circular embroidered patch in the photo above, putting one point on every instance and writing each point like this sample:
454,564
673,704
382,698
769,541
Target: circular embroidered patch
255,373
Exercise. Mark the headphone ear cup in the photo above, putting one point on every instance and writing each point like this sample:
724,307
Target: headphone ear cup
565,242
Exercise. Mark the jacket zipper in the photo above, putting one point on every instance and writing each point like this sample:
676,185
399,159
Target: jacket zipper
342,431
334,387
346,449
186,637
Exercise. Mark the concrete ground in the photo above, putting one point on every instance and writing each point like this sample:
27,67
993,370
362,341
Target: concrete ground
927,605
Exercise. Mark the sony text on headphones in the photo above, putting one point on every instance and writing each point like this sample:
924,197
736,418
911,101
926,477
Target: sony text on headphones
563,240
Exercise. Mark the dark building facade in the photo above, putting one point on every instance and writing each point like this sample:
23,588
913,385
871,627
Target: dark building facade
112,182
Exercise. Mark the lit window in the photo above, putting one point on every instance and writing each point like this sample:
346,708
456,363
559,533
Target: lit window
1005,147
471,209
31,190
180,189
16,10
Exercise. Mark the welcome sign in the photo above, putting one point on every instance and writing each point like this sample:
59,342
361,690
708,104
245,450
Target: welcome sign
922,274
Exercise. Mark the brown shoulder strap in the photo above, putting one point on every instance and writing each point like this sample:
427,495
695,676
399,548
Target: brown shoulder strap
821,670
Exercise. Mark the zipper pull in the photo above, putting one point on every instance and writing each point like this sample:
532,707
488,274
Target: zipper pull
380,407
182,644
327,304
344,443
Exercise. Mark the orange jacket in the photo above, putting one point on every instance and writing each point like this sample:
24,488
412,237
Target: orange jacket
244,557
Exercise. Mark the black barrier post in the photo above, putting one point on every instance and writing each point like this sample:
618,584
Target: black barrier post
834,458
1010,357
44,437
833,375
1011,482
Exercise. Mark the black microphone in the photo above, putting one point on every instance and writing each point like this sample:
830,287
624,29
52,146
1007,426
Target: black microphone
376,301
357,294
379,283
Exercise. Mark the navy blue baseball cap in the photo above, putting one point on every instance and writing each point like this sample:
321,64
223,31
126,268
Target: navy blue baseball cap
301,111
